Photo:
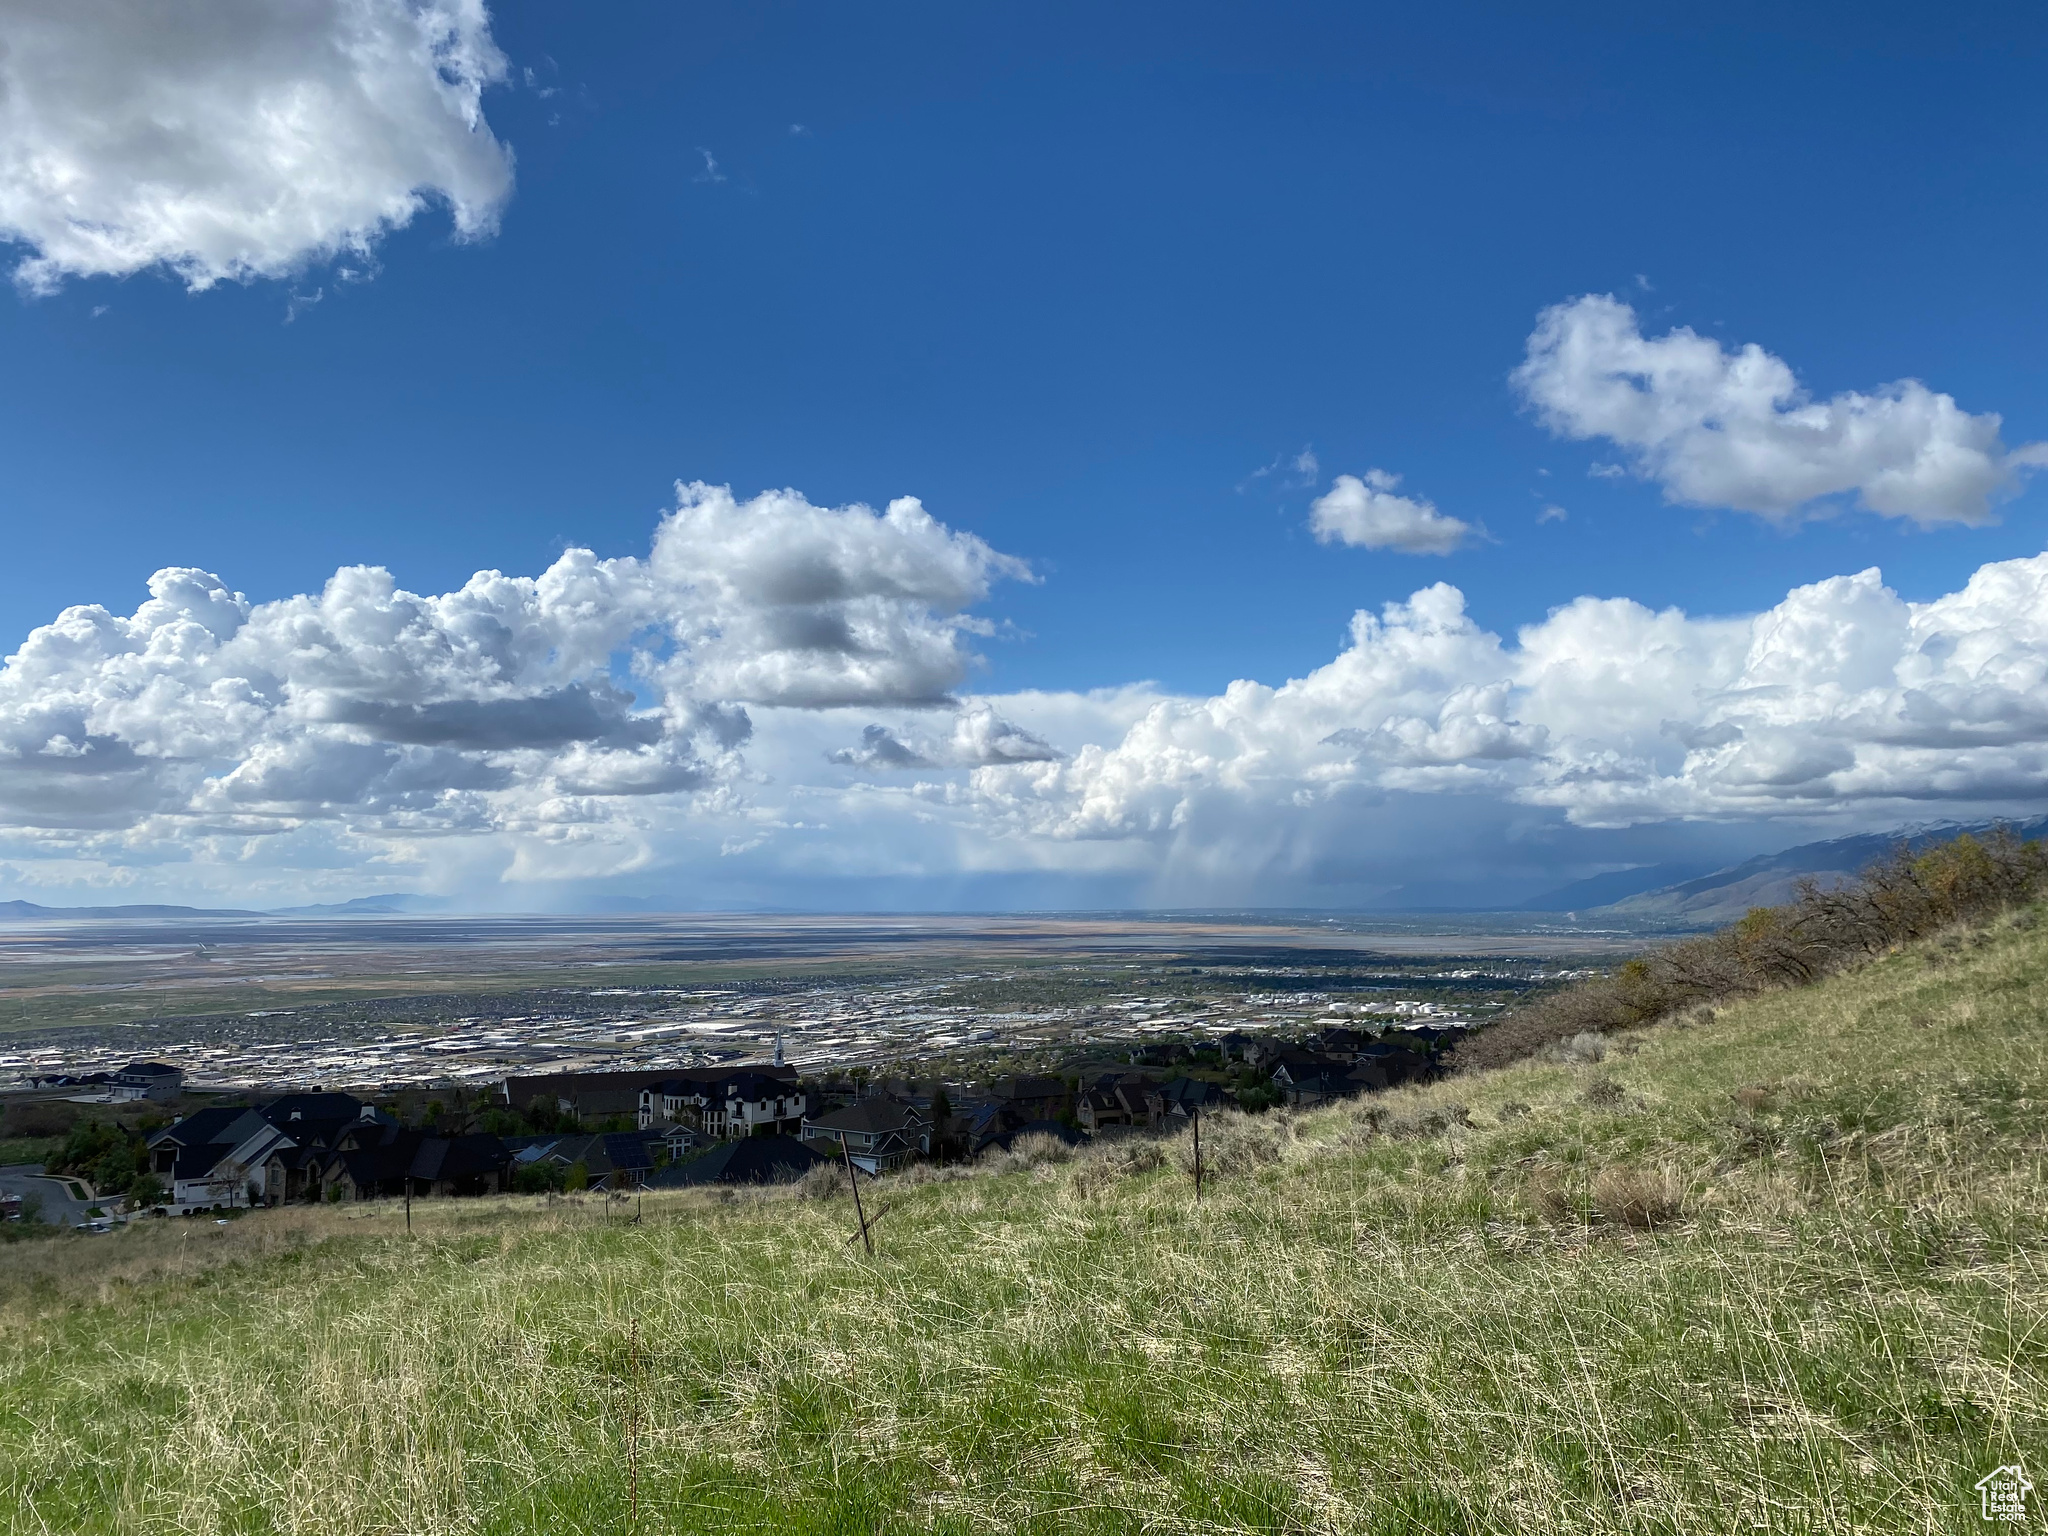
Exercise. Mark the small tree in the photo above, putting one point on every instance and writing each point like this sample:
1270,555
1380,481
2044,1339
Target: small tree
537,1178
578,1176
544,1118
1255,1094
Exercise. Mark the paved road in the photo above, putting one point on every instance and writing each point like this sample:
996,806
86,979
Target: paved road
58,1206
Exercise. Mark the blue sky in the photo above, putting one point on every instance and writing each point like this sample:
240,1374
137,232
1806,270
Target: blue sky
1072,277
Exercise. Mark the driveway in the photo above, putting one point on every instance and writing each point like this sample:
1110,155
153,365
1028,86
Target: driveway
59,1206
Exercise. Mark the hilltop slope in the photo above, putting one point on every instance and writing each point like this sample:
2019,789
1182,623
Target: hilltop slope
1780,1270
1668,894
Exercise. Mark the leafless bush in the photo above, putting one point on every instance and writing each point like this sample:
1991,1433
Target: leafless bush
918,1174
1909,894
37,1120
1143,1157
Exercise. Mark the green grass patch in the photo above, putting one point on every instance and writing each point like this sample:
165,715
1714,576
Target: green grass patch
1786,1270
29,1149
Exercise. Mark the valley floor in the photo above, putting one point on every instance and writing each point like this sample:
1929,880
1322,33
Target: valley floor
1781,1269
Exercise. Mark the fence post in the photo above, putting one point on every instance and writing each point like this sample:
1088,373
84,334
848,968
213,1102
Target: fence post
853,1179
1195,1114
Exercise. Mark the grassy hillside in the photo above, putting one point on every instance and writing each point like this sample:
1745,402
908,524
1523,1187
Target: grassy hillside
1778,1269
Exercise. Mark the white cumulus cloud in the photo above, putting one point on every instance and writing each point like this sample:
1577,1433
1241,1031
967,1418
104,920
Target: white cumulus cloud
236,139
1370,514
1842,700
776,693
515,702
1721,429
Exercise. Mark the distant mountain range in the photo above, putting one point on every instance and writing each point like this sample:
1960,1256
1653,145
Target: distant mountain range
396,904
392,905
1687,897
28,911
1673,895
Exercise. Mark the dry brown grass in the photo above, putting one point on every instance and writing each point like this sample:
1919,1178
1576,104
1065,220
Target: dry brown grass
1641,1198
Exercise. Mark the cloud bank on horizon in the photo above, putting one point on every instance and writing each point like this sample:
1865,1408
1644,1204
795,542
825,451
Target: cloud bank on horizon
242,138
720,697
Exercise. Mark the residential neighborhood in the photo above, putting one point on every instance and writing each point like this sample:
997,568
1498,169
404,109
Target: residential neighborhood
747,1122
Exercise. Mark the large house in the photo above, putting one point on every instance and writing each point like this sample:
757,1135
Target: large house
138,1080
1173,1102
877,1134
315,1146
1128,1098
1401,1063
215,1157
379,1159
1030,1098
598,1096
744,1102
149,1080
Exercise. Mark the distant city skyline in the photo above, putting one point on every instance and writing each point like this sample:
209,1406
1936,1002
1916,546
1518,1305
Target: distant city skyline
1067,458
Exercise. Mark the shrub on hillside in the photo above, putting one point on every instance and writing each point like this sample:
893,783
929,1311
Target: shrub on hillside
1103,1164
821,1181
538,1178
1436,1120
1909,894
1234,1144
1032,1151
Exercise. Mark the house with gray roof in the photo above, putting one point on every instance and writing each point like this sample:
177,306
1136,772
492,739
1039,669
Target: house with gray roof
752,1160
215,1158
155,1080
878,1134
